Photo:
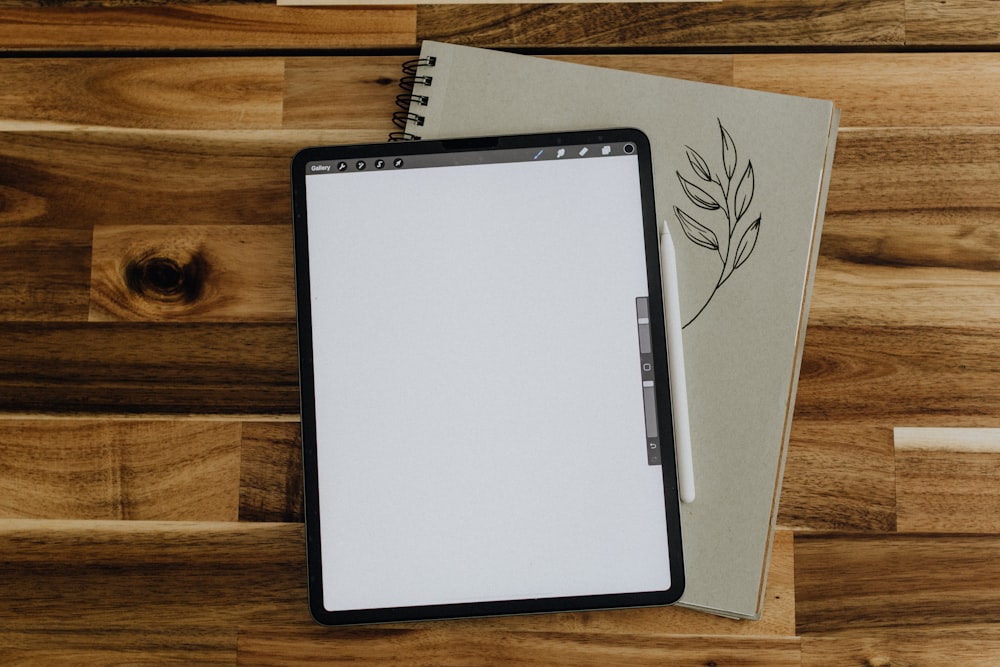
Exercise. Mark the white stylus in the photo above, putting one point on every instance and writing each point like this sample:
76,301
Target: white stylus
675,357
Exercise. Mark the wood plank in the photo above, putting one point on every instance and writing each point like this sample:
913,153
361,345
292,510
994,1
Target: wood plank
952,22
886,89
916,268
180,273
205,26
43,272
316,90
865,585
136,585
916,169
946,480
98,469
921,376
839,475
178,93
426,646
78,179
900,649
733,23
271,472
148,368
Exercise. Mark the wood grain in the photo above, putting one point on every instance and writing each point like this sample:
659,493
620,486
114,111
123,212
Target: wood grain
900,649
182,273
42,272
425,646
731,23
271,472
148,368
93,469
890,375
205,26
178,93
886,89
946,480
838,476
79,179
951,22
866,585
108,592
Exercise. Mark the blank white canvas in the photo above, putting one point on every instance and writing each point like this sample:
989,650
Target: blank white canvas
480,428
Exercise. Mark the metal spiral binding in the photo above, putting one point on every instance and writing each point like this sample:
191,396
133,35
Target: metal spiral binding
410,66
405,100
401,118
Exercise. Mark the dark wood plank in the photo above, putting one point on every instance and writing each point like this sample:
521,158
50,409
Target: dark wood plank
79,179
838,476
952,22
916,169
120,469
43,272
146,368
271,472
909,268
178,93
946,479
109,592
867,585
920,376
179,273
900,649
205,26
726,24
427,646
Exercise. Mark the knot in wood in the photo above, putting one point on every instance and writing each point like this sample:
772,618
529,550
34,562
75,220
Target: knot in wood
160,276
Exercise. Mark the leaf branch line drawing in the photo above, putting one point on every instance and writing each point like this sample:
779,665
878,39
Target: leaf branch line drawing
715,192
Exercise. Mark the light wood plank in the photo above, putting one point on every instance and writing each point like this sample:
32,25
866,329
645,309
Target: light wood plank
271,472
43,272
205,26
885,89
726,24
839,475
946,480
148,368
866,585
952,22
431,646
91,469
178,93
180,273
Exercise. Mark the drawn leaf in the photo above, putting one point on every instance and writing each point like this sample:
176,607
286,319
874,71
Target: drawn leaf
747,243
728,152
698,196
744,191
697,232
698,164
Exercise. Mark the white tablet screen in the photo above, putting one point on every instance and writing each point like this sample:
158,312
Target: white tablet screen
480,423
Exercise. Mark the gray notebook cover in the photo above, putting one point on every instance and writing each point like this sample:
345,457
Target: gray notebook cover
741,179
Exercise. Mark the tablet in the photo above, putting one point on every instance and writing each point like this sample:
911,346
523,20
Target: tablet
485,406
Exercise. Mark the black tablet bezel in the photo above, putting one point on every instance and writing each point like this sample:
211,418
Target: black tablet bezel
307,396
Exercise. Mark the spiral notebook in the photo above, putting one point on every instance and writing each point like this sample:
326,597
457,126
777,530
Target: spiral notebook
741,179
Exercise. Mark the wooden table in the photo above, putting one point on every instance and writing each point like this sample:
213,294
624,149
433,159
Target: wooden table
149,465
